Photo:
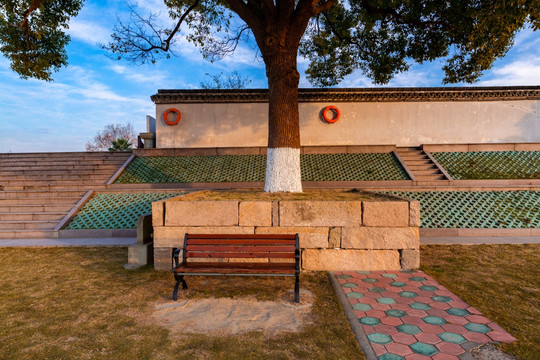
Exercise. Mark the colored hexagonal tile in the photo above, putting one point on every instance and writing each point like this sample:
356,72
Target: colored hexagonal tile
386,329
424,349
379,338
452,338
349,285
441,356
408,329
363,272
389,320
420,306
398,349
386,300
403,338
457,312
479,319
449,348
368,320
396,313
431,329
355,295
440,305
407,271
379,349
455,328
417,278
389,356
397,283
370,280
390,276
479,328
413,320
377,289
501,336
477,337
375,313
345,276
408,294
436,312
429,288
383,307
362,307
428,338
435,320
444,299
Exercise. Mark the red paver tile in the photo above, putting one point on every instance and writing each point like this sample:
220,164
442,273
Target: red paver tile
501,336
403,307
460,304
440,305
437,312
423,299
413,320
346,290
441,356
417,313
398,349
476,337
425,293
368,329
376,313
473,311
428,338
455,328
403,338
369,301
359,314
431,329
411,288
353,301
379,306
404,300
390,320
479,319
431,283
370,294
386,329
393,289
449,348
444,292
378,348
453,319
342,281
417,357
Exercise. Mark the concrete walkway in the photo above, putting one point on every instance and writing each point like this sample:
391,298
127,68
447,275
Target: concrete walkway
124,241
475,240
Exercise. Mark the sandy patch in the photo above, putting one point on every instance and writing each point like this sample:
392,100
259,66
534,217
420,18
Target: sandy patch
236,316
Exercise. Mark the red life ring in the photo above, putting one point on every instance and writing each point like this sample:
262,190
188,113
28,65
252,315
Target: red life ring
333,109
166,115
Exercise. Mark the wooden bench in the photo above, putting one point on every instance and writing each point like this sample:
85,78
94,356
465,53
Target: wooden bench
224,249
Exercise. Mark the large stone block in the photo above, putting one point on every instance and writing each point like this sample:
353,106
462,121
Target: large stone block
410,259
162,258
414,213
386,213
320,213
173,236
334,237
158,212
255,213
380,238
342,260
309,237
201,213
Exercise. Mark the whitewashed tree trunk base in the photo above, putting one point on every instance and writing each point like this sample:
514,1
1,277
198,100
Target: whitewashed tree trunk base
283,170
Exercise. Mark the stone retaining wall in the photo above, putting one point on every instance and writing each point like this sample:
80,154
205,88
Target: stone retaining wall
334,235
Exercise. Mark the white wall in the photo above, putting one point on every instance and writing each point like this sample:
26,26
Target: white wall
361,123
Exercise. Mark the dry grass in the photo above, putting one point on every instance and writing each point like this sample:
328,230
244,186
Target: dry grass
79,303
334,195
502,281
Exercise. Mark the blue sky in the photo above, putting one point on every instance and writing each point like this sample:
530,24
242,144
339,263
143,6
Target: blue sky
94,90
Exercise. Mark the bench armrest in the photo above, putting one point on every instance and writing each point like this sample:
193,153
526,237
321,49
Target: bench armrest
175,261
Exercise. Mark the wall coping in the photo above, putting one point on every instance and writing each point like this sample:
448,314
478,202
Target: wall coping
172,96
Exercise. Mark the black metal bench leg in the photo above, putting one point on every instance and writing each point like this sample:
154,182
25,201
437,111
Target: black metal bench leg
297,290
179,279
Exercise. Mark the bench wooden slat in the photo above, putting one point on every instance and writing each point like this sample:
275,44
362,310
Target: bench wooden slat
237,268
240,242
242,236
273,255
246,248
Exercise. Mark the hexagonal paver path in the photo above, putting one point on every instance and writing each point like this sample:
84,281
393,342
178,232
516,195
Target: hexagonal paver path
408,315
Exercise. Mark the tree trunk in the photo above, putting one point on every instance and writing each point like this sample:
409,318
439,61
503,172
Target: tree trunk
283,155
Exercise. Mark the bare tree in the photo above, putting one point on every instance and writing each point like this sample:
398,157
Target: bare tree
232,80
104,139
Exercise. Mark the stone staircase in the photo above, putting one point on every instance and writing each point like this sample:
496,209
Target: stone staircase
421,165
38,190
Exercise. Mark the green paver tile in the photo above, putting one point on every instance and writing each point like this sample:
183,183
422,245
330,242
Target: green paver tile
479,328
362,307
370,280
417,278
363,272
377,290
116,211
368,320
424,349
390,356
444,299
344,276
458,312
349,285
379,338
408,329
452,338
396,313
407,271
390,276
397,283
420,306
355,295
434,320
408,294
386,300
428,288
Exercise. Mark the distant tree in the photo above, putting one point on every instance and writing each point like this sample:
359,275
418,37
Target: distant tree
120,145
105,139
232,80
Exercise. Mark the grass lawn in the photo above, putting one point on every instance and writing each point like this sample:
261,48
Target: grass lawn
80,303
502,281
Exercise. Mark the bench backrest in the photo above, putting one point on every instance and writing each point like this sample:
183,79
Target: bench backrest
211,246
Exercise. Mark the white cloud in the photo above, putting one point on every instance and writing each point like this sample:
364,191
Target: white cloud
520,72
140,74
88,32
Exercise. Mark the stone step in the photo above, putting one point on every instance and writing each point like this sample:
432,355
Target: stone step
49,172
63,156
32,209
25,178
429,177
426,172
23,187
408,159
82,167
413,168
419,162
64,200
7,194
28,234
38,216
22,183
28,225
